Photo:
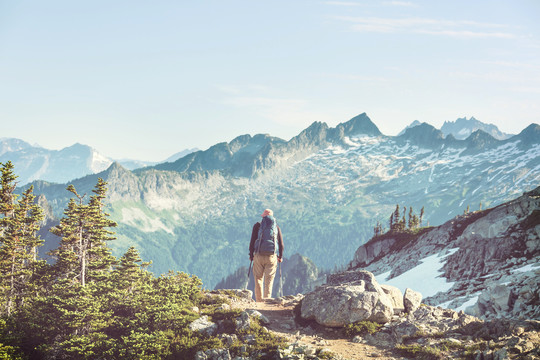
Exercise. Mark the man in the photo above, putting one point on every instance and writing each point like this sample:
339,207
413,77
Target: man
266,241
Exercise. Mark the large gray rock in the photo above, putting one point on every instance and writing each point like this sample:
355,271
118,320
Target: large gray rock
411,300
396,296
496,300
347,298
203,325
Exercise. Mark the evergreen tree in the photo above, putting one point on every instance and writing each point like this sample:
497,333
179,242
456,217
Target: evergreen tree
411,221
19,225
421,215
403,222
9,250
395,220
100,259
83,253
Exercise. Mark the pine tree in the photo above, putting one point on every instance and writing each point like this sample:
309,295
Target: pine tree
396,219
83,253
421,215
100,259
9,251
19,225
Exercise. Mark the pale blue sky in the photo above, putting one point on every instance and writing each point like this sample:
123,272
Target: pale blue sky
146,79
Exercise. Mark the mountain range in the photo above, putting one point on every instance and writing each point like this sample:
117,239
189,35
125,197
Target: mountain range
34,162
327,186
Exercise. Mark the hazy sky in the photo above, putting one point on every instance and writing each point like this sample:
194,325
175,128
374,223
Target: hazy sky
146,79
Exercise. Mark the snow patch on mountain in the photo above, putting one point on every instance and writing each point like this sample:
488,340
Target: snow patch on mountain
99,162
425,278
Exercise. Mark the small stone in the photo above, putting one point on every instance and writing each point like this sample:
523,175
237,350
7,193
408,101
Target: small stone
225,307
325,352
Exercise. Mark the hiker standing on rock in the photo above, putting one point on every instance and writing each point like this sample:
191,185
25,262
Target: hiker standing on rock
266,241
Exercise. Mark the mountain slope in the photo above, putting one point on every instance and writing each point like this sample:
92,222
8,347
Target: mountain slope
482,262
327,186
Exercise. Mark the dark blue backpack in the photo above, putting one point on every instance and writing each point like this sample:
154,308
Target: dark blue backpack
266,240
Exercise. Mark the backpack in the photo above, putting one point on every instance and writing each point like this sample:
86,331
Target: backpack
267,238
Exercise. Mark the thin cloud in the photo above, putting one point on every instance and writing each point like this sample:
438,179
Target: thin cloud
461,28
342,3
467,34
400,3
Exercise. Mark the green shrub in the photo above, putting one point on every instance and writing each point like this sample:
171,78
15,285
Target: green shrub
362,328
420,352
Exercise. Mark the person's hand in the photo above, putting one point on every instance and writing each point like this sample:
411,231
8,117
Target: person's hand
279,259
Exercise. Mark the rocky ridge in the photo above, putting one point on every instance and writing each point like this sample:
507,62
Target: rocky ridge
490,259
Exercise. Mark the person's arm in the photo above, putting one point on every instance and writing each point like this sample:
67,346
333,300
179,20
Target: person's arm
254,235
280,244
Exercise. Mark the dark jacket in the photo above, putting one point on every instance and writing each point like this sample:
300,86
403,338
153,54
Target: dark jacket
255,234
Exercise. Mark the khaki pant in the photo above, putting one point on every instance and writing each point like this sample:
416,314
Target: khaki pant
264,271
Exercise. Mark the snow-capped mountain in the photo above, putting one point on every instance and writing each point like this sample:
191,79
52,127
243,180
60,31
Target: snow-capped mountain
462,128
327,186
33,162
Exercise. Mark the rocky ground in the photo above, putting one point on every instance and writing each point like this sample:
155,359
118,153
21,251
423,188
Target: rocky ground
426,333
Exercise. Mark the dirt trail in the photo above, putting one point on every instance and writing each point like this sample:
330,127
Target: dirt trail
282,323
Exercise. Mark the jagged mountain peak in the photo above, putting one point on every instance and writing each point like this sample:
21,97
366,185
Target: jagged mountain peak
413,124
423,135
116,167
462,128
530,135
360,124
480,141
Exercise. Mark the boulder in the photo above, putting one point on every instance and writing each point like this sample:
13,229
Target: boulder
396,296
500,298
348,297
411,300
203,325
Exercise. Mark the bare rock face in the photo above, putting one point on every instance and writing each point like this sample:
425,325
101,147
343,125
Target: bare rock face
347,298
396,296
491,257
411,300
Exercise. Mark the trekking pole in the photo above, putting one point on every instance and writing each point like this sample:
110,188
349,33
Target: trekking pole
280,282
249,271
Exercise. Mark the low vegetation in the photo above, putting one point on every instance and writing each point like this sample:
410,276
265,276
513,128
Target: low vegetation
90,304
361,328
